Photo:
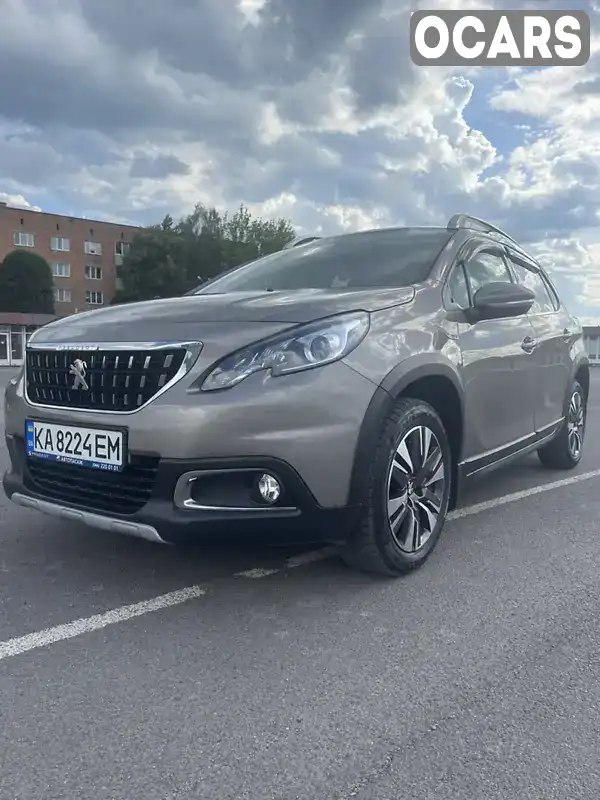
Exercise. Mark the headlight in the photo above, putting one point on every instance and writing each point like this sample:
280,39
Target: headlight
307,346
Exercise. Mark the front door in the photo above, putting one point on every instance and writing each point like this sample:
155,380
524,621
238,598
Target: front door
498,370
4,349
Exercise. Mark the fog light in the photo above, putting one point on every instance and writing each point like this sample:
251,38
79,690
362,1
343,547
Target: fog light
269,488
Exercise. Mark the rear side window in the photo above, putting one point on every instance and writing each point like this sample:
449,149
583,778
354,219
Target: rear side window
543,303
373,259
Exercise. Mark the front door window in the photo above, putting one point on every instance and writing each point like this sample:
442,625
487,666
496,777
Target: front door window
486,267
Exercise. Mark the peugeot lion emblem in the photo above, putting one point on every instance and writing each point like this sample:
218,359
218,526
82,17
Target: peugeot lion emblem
78,368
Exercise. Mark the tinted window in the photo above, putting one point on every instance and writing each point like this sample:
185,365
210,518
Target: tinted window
543,300
457,293
486,267
386,258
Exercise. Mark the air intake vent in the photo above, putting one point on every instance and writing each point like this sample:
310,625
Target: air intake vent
92,489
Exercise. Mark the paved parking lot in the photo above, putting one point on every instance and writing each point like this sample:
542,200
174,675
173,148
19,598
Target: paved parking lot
129,670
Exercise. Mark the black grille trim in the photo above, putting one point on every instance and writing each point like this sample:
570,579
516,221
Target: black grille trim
120,380
123,492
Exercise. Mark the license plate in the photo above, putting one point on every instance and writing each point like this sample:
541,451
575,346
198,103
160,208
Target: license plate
86,447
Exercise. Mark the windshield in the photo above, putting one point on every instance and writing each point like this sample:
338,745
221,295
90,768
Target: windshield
374,259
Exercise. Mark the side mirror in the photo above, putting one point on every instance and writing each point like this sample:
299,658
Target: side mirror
499,300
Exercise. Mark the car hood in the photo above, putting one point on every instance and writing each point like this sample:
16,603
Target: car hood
188,318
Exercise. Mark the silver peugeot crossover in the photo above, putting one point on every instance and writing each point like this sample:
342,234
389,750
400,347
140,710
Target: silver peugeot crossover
341,390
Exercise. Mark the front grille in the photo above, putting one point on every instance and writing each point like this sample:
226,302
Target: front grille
92,489
116,380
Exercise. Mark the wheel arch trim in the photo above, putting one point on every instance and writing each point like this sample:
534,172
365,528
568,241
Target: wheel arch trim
418,367
582,361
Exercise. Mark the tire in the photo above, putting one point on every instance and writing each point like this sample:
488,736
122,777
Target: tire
565,450
384,540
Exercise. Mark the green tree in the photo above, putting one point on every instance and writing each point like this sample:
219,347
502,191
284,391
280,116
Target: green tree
247,238
216,242
201,233
167,260
154,265
26,284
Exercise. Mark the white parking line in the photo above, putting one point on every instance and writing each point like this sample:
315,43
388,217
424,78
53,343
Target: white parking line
14,647
32,641
311,557
290,563
468,511
259,572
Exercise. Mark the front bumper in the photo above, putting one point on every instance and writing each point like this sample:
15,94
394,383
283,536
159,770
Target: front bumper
310,420
300,520
302,427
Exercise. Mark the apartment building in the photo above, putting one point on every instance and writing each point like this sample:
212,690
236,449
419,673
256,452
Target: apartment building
83,255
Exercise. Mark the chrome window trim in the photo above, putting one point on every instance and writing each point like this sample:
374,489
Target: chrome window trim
192,351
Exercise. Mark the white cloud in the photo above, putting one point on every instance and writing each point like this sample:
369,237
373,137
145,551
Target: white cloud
17,201
308,110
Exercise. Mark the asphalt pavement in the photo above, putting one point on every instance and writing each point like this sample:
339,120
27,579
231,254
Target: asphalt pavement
130,670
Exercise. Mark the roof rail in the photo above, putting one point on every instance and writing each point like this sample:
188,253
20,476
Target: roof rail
473,223
300,240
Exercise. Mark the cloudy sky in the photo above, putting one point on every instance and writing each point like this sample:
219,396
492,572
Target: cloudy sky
307,109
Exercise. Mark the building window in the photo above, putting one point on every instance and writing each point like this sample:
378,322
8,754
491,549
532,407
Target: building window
21,239
60,244
122,248
93,248
93,273
60,270
94,298
62,295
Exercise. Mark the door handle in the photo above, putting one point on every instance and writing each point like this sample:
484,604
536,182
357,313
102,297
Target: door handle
529,344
